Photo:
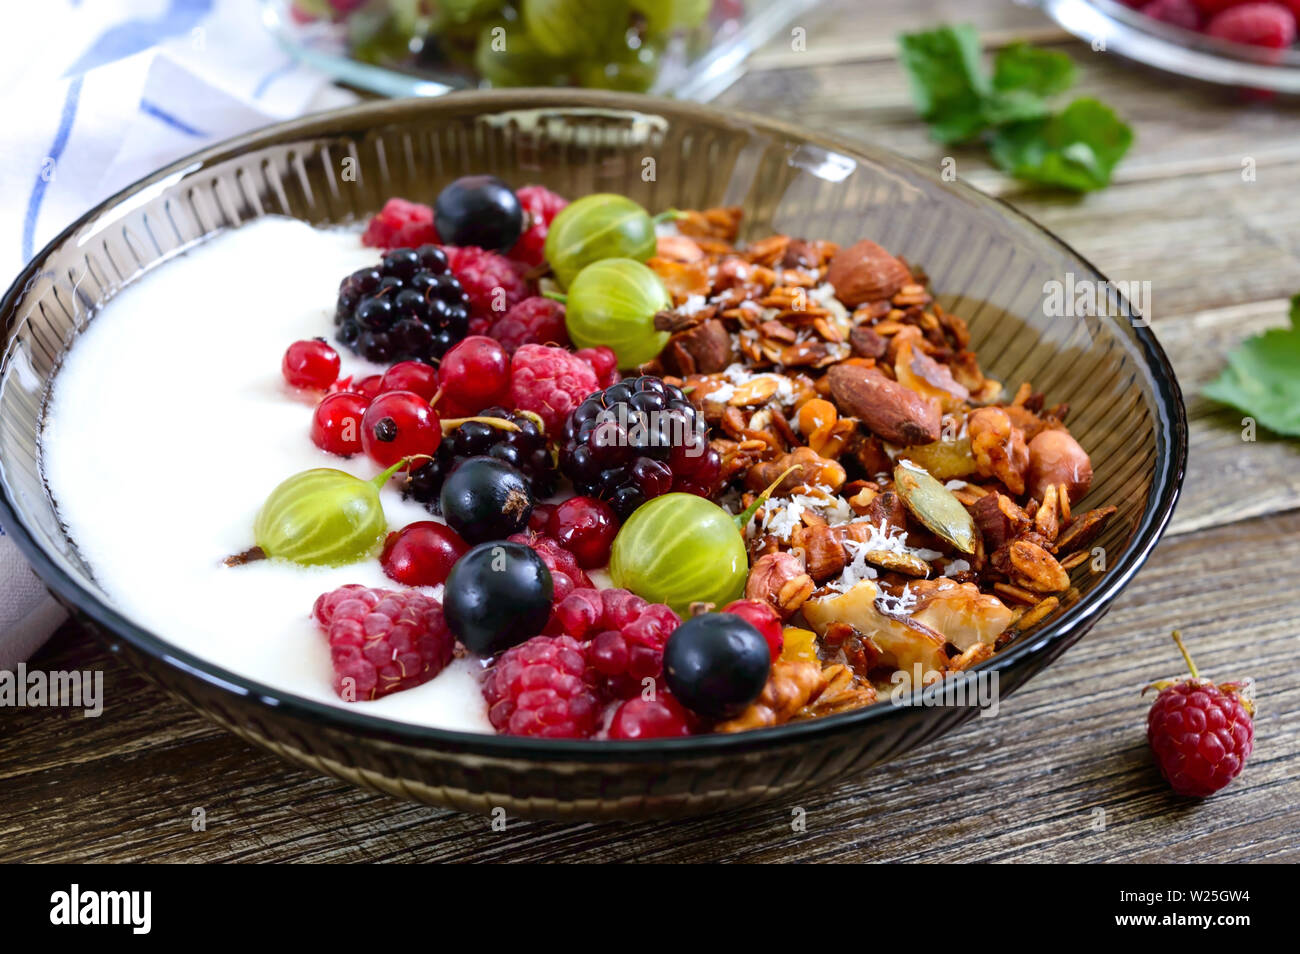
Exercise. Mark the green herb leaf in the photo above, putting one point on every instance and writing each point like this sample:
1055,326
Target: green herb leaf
1262,378
1030,69
947,80
1075,149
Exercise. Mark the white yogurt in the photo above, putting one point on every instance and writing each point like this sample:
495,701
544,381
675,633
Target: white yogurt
168,425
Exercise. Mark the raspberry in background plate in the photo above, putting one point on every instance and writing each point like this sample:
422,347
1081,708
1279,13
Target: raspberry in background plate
534,320
1201,734
542,206
401,224
550,382
1180,13
382,641
493,282
542,688
1269,25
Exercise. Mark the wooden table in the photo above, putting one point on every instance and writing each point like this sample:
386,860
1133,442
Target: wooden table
1222,254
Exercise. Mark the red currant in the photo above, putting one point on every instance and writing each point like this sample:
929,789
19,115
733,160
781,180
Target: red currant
585,527
400,424
336,425
411,376
603,361
661,718
310,364
422,553
370,387
540,518
763,618
475,373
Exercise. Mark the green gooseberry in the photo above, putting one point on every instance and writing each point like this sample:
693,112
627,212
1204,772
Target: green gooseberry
323,517
680,549
569,28
603,225
614,302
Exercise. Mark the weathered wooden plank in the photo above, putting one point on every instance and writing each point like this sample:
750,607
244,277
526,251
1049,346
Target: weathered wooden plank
1023,785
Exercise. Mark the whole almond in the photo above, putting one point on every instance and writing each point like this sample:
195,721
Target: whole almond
896,413
865,272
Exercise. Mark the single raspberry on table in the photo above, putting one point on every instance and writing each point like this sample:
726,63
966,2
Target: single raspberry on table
493,283
382,641
1182,13
624,635
542,688
401,224
1201,734
1257,24
534,320
542,206
550,382
604,362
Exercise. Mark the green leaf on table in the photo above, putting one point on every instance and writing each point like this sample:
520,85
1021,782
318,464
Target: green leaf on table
1262,378
1032,70
947,80
1077,148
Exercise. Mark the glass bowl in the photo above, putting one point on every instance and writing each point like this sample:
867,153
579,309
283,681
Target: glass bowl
987,262
695,64
1129,33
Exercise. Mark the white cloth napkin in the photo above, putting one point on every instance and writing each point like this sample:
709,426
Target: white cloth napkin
94,96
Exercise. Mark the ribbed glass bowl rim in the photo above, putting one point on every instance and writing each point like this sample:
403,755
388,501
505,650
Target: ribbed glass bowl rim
1170,461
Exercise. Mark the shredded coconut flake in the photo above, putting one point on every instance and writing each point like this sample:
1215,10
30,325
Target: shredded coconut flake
955,567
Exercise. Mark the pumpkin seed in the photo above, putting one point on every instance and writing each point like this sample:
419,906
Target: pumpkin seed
934,505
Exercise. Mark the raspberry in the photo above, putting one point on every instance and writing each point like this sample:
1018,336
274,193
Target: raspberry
535,320
550,382
1182,13
401,224
636,440
542,688
382,641
1258,24
1210,7
1201,734
604,362
626,635
493,283
566,574
542,206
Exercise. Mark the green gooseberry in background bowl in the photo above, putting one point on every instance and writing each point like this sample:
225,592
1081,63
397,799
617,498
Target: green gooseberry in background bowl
680,549
614,302
571,28
595,227
323,517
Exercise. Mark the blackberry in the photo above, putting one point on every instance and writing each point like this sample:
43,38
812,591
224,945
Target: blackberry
524,449
409,307
635,440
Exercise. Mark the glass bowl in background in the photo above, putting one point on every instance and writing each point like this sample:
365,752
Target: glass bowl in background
1116,28
693,49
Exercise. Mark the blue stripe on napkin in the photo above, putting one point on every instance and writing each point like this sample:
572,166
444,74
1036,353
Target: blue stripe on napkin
150,108
66,120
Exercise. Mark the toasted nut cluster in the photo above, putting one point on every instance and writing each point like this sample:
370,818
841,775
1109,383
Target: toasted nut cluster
824,373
